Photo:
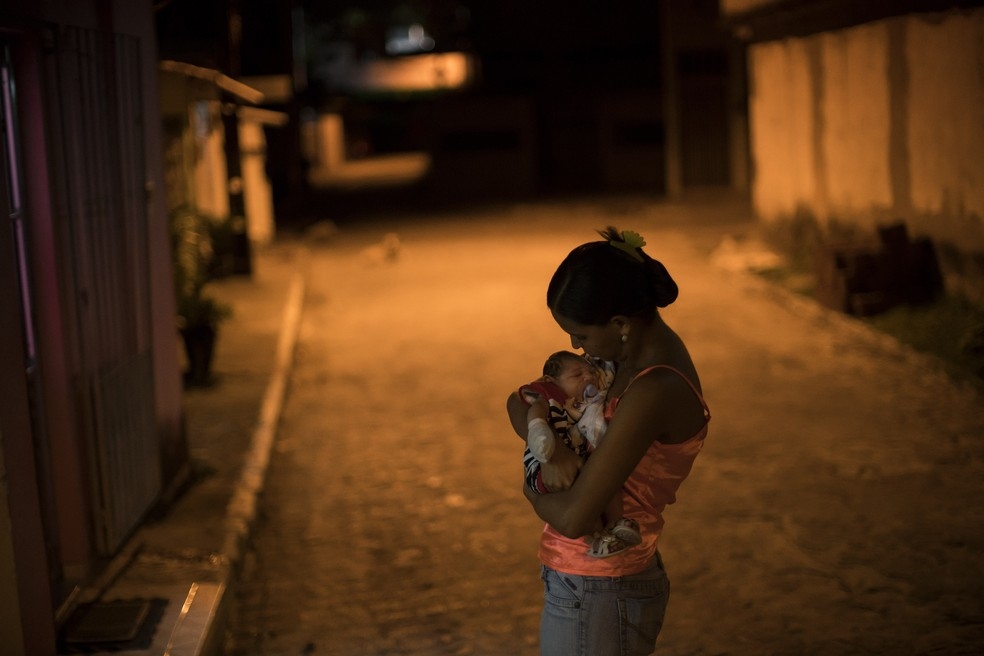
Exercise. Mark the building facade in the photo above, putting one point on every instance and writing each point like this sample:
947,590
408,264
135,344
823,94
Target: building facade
91,431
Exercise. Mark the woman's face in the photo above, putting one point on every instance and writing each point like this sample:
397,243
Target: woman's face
597,341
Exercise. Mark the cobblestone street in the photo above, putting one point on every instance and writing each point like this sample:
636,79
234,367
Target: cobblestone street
829,514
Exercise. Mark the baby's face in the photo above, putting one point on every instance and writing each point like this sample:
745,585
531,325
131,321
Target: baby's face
575,376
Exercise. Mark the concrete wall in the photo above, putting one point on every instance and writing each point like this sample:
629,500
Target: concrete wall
855,117
874,123
211,190
781,128
945,130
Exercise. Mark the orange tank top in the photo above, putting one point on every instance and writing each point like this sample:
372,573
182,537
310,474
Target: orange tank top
648,490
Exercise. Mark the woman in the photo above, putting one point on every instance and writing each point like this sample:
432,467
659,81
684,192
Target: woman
606,295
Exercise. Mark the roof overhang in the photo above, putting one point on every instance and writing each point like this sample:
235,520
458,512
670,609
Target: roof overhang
218,78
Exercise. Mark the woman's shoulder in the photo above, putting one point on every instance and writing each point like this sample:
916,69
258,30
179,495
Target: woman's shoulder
668,397
671,375
658,383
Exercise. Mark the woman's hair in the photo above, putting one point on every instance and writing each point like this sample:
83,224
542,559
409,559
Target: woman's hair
602,279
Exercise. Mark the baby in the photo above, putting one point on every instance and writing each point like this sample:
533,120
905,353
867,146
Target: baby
568,402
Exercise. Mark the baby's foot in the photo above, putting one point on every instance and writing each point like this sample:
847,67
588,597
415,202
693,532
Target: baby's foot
605,545
627,530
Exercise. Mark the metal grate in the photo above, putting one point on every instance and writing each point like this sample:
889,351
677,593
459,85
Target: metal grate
102,199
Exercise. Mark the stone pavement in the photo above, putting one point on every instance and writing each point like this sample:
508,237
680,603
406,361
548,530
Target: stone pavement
836,509
833,511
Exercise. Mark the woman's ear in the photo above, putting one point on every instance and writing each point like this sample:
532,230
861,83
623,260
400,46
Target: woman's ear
619,321
620,324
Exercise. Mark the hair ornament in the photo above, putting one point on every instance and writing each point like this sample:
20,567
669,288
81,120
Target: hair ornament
631,242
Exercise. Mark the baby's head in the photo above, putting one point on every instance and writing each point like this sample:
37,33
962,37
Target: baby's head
572,373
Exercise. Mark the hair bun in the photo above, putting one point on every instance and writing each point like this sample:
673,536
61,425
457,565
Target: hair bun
665,288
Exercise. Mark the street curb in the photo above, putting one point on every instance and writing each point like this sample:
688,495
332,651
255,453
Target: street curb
240,512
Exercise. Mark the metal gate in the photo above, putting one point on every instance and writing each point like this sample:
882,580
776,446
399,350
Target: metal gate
102,217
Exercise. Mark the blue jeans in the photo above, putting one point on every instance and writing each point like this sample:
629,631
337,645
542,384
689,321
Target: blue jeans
603,616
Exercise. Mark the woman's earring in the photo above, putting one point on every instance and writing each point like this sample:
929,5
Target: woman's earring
625,338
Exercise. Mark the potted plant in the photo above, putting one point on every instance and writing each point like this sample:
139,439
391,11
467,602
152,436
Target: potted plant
198,322
198,314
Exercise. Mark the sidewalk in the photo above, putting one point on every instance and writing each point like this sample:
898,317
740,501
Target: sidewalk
185,562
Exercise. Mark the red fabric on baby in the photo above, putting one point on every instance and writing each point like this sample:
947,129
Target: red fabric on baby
549,390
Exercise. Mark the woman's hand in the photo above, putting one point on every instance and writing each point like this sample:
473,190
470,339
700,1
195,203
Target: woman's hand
561,470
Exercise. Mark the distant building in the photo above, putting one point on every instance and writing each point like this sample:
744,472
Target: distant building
867,113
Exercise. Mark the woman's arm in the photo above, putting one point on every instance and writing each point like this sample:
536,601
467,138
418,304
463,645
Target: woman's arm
656,407
517,410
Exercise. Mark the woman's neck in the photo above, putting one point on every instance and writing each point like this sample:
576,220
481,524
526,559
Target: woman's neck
653,343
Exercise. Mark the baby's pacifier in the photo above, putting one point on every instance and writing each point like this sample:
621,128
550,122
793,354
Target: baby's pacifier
590,391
